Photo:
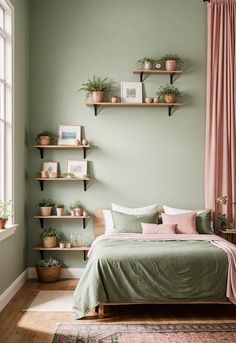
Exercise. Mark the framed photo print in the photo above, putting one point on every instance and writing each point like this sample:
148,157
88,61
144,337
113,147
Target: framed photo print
68,134
131,92
50,167
78,168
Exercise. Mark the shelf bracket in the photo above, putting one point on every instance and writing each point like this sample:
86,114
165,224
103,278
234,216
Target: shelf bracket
85,255
95,109
85,185
84,223
41,222
141,76
41,254
172,78
41,184
41,151
84,152
170,110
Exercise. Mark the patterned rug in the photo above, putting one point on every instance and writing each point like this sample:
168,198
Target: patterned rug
146,333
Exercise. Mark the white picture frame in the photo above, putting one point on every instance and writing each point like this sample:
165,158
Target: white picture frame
51,167
79,169
68,134
132,92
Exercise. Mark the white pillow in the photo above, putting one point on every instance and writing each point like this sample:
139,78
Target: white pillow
173,211
109,226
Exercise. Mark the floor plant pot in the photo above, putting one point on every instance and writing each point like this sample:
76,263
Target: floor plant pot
44,140
45,211
50,242
170,98
46,274
171,65
98,96
60,212
3,223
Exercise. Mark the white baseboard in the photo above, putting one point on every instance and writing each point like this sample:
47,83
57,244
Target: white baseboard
9,293
66,273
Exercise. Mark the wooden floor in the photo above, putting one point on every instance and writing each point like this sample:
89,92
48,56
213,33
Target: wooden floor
37,327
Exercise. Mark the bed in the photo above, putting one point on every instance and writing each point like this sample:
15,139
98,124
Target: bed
133,269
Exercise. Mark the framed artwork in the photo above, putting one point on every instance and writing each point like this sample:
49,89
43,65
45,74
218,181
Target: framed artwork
78,168
50,167
131,92
68,134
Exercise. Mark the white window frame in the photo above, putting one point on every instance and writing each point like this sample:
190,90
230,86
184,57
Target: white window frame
7,118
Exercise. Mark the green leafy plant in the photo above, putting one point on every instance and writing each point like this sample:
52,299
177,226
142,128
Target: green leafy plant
141,61
68,175
45,203
60,205
50,233
169,89
96,84
48,262
50,134
6,209
169,57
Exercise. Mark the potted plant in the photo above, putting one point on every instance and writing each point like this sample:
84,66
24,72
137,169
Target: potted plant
46,138
48,270
170,93
60,209
145,63
68,175
78,210
50,238
96,88
171,61
5,212
45,206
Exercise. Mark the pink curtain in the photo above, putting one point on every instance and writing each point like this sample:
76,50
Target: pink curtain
220,157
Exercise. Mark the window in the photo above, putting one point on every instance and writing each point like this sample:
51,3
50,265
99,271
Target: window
6,100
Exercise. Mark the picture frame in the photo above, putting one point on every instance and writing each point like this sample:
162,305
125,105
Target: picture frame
132,92
68,134
78,168
50,167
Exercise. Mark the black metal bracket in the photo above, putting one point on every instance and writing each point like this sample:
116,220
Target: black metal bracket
41,183
172,78
95,106
41,151
84,152
84,223
170,110
85,185
85,255
41,222
41,254
141,76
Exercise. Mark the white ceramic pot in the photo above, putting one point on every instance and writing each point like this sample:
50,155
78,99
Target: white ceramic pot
60,212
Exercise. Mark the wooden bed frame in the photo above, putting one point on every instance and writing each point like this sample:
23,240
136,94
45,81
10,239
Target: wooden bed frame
100,230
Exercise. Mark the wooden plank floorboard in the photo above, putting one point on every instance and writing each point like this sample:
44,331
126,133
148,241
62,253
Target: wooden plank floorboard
17,326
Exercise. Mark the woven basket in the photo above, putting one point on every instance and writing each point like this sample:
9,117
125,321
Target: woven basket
50,242
48,274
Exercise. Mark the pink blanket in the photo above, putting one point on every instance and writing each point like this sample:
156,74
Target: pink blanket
218,241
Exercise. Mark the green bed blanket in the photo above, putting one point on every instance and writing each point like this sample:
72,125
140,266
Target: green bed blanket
151,271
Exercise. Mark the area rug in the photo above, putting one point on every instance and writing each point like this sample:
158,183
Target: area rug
146,333
52,301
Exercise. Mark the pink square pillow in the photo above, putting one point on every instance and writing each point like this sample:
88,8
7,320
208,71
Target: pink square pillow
186,222
159,229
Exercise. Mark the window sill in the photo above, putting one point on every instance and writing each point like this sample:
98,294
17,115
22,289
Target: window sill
9,231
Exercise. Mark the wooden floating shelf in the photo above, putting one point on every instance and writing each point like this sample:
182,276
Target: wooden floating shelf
42,249
72,147
41,219
41,180
158,72
128,104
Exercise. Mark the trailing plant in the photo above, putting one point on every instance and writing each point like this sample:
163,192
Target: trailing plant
60,205
141,61
50,233
6,209
169,57
68,175
169,89
45,203
50,134
48,262
96,84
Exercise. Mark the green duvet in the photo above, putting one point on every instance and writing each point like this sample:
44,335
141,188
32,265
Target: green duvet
151,271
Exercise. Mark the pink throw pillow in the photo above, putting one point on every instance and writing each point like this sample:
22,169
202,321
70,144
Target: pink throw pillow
186,222
159,229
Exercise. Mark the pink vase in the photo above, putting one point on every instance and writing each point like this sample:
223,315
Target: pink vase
171,65
98,96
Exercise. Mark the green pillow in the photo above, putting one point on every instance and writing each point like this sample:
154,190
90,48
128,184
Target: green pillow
203,222
131,223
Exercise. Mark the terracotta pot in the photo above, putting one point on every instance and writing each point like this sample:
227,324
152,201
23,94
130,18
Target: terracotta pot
50,242
170,98
2,223
98,96
60,212
44,140
48,274
171,65
78,212
45,211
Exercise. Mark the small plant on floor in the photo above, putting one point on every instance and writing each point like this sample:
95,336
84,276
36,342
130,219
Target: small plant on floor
46,138
48,262
5,212
96,88
48,269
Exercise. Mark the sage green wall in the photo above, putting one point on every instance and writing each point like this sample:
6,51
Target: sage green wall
13,249
140,155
